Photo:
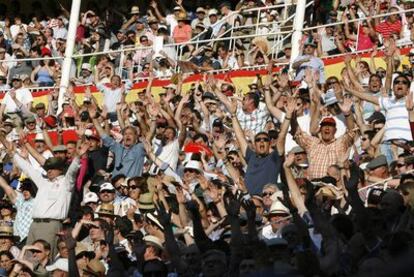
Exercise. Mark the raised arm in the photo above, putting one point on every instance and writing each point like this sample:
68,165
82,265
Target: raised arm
363,96
293,187
10,192
281,140
240,136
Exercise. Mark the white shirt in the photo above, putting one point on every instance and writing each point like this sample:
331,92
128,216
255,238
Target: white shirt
113,96
46,154
169,154
397,125
53,197
172,22
15,29
22,94
231,63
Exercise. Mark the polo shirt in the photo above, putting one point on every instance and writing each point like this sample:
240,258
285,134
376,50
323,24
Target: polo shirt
397,125
261,170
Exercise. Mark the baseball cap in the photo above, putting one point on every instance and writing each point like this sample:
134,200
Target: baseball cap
107,186
328,121
90,197
377,162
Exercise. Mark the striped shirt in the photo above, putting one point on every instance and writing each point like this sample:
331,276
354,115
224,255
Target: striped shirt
321,155
254,121
397,125
386,29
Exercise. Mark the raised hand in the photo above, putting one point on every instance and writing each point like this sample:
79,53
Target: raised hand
250,209
290,159
352,182
163,216
290,106
83,149
232,204
346,106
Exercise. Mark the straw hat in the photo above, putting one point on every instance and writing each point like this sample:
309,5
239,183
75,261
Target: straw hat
278,208
182,16
95,267
6,231
145,201
106,209
153,241
134,10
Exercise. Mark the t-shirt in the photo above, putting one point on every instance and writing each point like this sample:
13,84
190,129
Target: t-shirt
386,29
397,124
113,96
261,170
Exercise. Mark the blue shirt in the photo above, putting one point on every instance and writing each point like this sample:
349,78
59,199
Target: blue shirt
128,161
261,170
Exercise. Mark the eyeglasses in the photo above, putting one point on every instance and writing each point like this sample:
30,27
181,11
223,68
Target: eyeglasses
404,82
332,83
144,40
267,193
132,187
400,165
265,139
107,191
364,139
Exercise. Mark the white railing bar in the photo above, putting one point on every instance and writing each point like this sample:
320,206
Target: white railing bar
358,19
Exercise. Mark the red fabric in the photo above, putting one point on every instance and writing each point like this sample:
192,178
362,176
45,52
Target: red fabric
364,40
30,138
193,147
82,173
412,128
386,29
328,120
50,120
69,135
54,137
80,33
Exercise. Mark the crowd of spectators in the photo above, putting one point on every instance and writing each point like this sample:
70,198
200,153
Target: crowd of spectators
305,174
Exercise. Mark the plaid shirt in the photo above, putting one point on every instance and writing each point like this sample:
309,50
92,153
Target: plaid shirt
23,217
321,155
254,121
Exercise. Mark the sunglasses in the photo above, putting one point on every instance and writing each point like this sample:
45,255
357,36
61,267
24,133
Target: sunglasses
377,129
364,139
400,165
332,83
190,170
144,40
261,139
132,187
404,82
264,194
107,191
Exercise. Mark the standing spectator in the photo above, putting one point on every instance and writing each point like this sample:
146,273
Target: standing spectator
226,60
201,18
308,59
60,30
182,32
390,28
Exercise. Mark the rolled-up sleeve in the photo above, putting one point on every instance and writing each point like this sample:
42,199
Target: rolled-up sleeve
28,169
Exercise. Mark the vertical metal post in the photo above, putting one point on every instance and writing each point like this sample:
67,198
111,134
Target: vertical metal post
70,44
297,27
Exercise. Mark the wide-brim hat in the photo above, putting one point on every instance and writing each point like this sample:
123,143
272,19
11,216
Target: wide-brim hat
153,241
54,163
277,208
6,231
196,165
145,201
106,209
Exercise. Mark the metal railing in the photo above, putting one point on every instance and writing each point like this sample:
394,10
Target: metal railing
278,38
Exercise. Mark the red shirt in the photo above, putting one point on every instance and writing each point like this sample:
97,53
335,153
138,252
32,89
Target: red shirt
182,34
386,29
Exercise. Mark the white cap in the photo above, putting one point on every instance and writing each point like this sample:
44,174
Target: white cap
86,66
61,264
39,137
191,164
106,186
90,197
212,12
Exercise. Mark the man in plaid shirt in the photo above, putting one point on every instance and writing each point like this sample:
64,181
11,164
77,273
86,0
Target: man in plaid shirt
325,150
252,114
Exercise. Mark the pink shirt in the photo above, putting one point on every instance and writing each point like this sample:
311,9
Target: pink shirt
182,34
364,41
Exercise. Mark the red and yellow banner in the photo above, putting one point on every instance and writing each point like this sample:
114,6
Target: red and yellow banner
240,78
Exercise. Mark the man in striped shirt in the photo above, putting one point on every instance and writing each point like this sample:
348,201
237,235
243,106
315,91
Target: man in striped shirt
397,125
391,26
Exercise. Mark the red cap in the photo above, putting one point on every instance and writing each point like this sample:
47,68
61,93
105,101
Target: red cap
328,121
51,121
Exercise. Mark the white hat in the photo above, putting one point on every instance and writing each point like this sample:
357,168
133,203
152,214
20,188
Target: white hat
106,186
154,241
134,10
171,86
39,137
200,10
177,8
191,164
278,208
86,66
212,12
61,264
411,51
90,197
